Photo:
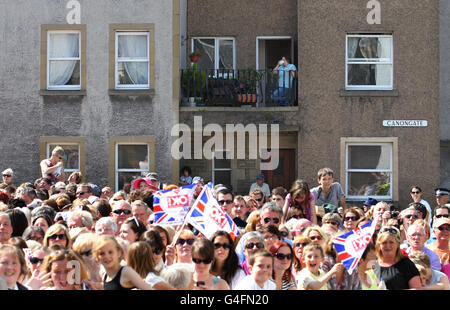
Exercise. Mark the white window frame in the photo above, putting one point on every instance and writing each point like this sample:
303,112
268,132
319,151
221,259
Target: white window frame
216,48
116,163
63,87
62,144
130,59
214,169
390,171
369,62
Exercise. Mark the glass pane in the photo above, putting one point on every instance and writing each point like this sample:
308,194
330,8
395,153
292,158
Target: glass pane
135,46
64,72
62,45
221,161
206,48
132,156
365,48
71,155
225,54
369,184
369,75
222,177
126,179
369,157
133,73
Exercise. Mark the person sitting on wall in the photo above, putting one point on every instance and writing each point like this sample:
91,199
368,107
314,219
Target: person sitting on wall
52,167
259,184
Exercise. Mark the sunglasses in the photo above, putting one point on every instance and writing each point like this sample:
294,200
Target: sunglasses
298,216
444,228
259,199
391,230
188,241
57,236
80,193
442,215
221,202
252,245
63,252
225,246
35,260
350,218
282,256
158,251
275,220
120,211
204,261
7,175
411,216
300,244
415,193
316,238
332,223
284,233
86,253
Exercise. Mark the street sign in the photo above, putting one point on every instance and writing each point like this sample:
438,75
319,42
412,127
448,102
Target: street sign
405,123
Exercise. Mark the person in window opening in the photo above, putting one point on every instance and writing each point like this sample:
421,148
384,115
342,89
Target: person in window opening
52,167
286,73
364,74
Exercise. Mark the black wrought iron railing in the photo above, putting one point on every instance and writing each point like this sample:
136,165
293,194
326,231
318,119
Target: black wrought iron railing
226,87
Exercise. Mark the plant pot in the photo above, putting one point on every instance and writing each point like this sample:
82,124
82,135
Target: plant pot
192,101
247,98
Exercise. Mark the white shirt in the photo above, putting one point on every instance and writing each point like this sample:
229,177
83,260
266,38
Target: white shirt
249,283
237,278
153,279
264,188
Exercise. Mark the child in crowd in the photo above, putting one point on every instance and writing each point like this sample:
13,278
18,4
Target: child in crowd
185,178
261,265
109,254
328,191
431,279
312,277
12,266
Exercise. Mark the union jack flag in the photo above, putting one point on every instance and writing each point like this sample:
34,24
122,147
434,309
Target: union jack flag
207,216
351,246
171,206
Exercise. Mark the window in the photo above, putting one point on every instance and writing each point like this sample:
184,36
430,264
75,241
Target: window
369,62
74,152
63,57
132,50
132,60
132,158
71,158
370,168
221,167
217,53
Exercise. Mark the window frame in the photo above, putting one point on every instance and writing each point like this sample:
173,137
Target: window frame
129,59
391,62
214,169
217,50
46,89
114,156
347,142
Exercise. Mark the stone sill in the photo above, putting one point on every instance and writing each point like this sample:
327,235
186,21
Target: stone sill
369,93
46,92
240,109
131,92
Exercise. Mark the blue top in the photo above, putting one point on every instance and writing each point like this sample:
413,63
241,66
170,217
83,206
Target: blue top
188,179
285,78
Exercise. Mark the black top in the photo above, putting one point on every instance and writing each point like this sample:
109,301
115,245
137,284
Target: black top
239,222
20,287
114,284
398,275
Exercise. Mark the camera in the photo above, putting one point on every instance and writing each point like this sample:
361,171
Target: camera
394,214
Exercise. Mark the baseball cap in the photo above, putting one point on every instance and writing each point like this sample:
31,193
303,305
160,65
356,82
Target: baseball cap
197,179
370,202
441,191
153,176
441,221
260,176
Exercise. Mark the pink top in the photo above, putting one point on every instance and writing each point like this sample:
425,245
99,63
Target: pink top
307,210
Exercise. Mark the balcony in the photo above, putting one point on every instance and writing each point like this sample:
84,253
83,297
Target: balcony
237,88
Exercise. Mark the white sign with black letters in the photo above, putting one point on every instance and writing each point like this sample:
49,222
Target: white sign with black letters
405,123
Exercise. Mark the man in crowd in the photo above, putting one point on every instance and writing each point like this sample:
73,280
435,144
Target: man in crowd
442,195
416,236
259,184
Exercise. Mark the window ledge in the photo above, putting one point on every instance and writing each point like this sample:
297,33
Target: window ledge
131,92
46,92
369,93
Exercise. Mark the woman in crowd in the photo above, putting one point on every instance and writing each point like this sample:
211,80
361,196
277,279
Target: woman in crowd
83,246
153,238
271,235
226,262
181,252
132,229
12,266
350,218
397,271
365,268
416,195
301,198
203,256
317,235
299,243
250,242
43,220
58,234
283,256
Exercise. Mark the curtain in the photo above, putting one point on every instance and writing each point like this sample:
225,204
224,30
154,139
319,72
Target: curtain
352,45
134,46
62,46
206,48
226,54
383,72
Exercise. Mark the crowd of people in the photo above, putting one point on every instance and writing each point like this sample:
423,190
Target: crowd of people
58,234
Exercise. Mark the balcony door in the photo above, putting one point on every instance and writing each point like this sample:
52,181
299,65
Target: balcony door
269,51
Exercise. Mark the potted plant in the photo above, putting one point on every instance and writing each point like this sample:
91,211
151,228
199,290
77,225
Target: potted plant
193,82
194,56
248,82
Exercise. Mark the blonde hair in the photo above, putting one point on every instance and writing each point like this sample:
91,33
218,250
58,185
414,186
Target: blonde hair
84,240
252,220
58,151
382,237
105,240
12,249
